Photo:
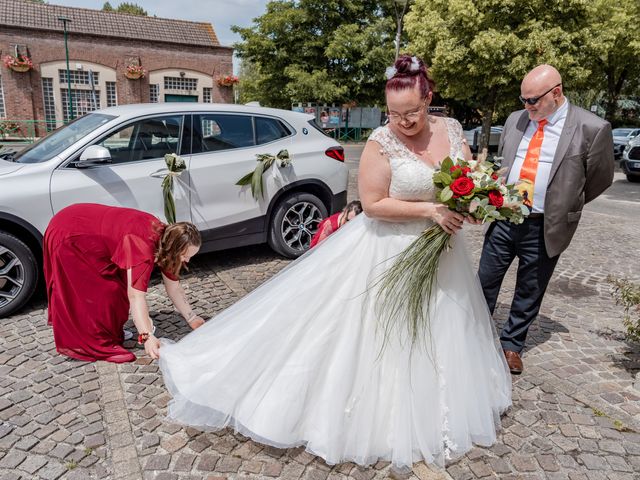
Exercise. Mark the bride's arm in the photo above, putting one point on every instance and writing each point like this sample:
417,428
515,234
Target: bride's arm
374,178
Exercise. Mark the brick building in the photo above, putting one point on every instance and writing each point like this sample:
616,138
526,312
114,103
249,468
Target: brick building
182,60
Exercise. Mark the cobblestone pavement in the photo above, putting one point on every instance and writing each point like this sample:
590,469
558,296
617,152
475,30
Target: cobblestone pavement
576,413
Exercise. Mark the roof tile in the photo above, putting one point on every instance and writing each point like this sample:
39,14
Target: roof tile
25,14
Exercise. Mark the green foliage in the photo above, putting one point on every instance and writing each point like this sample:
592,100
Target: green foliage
175,166
611,48
265,161
404,296
317,50
627,294
126,7
480,50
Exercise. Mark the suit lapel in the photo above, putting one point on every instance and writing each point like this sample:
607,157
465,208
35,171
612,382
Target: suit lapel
512,142
568,130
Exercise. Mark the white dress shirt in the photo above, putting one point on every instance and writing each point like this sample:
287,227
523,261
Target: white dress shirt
552,131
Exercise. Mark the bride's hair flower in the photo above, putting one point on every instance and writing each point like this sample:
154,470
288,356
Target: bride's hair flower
390,72
415,64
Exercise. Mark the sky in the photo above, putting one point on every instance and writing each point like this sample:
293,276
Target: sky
220,13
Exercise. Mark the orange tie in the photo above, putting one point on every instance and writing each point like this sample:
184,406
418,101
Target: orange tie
530,166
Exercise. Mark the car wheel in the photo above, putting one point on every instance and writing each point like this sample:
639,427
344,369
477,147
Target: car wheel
633,178
294,222
18,274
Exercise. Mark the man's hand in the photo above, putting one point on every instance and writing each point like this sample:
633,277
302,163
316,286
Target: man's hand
152,347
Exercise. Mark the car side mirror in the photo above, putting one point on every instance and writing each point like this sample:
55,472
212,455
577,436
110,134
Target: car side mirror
92,156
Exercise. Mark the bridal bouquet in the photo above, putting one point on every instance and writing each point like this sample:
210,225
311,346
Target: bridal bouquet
472,188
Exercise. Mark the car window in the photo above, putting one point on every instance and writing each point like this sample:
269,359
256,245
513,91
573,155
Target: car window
217,131
621,132
144,139
269,130
54,143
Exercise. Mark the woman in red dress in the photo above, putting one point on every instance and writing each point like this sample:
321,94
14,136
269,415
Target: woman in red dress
97,264
335,221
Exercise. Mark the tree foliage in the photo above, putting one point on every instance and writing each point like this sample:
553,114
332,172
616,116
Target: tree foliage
318,50
126,7
479,50
611,50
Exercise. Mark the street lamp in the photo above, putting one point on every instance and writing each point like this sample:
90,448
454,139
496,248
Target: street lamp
64,21
399,16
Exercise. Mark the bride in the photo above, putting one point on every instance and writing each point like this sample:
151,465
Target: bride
301,360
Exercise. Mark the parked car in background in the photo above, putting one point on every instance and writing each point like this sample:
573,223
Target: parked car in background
473,137
621,137
630,162
115,157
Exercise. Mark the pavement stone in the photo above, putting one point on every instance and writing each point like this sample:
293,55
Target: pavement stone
575,413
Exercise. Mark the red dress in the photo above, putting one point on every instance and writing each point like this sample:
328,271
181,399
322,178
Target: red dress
87,251
330,224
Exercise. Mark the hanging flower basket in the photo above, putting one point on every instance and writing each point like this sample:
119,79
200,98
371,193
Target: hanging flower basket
227,81
134,72
18,63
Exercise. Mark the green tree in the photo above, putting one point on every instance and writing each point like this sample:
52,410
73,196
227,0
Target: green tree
479,50
126,7
611,50
318,50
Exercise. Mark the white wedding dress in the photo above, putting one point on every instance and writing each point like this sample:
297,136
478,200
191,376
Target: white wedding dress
298,361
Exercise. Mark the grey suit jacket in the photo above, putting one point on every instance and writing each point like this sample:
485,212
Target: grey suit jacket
582,169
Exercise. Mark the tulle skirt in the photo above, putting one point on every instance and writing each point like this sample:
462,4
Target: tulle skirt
301,360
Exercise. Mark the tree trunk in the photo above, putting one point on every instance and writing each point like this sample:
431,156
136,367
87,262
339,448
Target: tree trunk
487,116
614,87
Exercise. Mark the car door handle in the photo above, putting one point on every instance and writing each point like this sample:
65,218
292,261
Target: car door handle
159,173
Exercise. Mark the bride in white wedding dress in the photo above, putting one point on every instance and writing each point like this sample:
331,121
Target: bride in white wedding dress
301,360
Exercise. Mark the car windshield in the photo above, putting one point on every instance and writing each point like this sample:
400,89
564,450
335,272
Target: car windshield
58,140
621,132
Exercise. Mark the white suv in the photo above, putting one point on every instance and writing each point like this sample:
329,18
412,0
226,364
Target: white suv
115,156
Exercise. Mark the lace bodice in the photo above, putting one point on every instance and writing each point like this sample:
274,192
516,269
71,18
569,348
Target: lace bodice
411,177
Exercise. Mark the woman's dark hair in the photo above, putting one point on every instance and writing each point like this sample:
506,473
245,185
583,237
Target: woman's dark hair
355,206
409,70
175,240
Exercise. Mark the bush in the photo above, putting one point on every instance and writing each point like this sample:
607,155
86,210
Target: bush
627,294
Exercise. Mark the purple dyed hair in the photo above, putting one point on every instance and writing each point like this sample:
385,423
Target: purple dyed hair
405,78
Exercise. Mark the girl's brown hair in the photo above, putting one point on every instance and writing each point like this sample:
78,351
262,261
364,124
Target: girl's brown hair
175,240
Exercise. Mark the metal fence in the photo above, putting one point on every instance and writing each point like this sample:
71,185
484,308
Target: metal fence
25,131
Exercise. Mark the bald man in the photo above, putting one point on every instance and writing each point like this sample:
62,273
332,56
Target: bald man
561,156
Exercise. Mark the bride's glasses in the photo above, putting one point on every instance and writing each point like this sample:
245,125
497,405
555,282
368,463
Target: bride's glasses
409,116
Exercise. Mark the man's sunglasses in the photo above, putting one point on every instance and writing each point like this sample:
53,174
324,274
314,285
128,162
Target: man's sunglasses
534,100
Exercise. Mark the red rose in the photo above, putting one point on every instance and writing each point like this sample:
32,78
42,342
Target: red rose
465,170
494,176
495,198
462,186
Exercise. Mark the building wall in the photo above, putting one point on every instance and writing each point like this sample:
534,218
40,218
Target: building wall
23,95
